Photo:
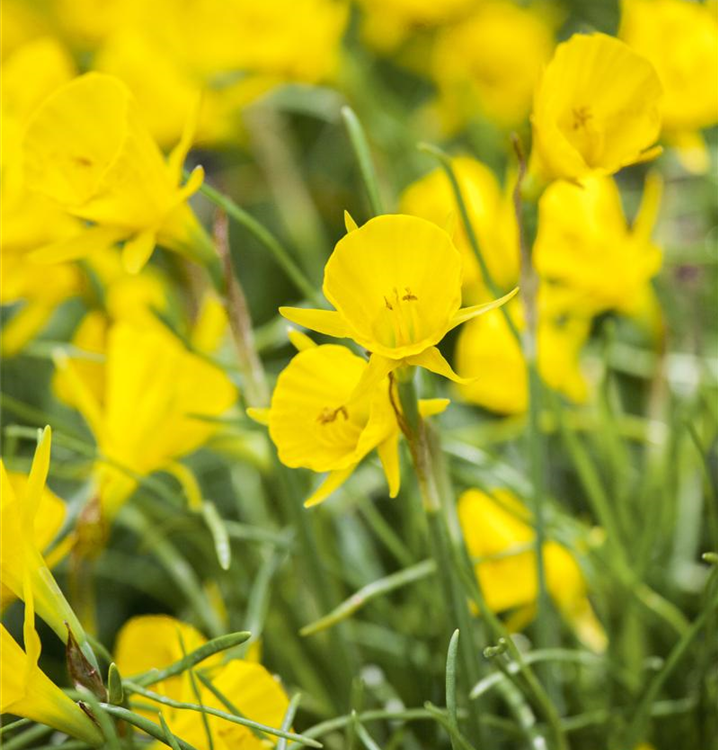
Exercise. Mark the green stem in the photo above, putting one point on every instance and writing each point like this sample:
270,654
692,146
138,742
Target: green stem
266,238
441,544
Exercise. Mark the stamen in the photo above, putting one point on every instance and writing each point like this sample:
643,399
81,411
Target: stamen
330,415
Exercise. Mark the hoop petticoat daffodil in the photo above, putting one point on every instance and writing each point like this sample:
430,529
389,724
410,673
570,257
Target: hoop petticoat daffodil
396,286
89,150
596,110
316,423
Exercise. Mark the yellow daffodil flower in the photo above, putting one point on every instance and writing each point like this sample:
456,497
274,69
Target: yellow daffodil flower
48,520
488,350
30,74
585,245
396,286
496,523
316,425
88,149
492,217
156,641
25,690
21,562
596,109
388,23
680,39
156,400
488,65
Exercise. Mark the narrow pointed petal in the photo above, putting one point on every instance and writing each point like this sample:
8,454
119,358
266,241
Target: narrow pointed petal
378,368
259,415
138,249
84,398
430,407
349,223
432,359
389,456
328,322
650,204
38,477
332,483
467,313
179,152
300,341
188,482
80,246
193,184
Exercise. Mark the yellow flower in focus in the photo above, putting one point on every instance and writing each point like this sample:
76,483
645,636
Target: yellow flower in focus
156,641
489,64
316,425
492,217
89,150
585,245
22,567
496,524
48,521
157,403
396,286
488,351
26,691
680,38
596,109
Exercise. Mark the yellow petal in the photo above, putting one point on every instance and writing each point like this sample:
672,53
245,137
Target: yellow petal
429,407
138,249
349,223
467,313
259,415
332,483
300,341
389,456
179,153
327,322
378,368
23,326
88,241
432,359
647,214
183,474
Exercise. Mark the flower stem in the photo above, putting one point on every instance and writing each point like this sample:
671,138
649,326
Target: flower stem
440,538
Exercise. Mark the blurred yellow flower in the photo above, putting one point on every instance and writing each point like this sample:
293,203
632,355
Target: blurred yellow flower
489,64
388,23
585,244
497,526
88,149
396,286
680,38
158,401
26,691
596,109
316,425
48,521
22,566
492,217
488,351
156,641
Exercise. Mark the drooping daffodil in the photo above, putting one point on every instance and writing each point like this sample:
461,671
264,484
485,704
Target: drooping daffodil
22,564
586,248
496,527
88,149
596,110
153,403
316,423
396,285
